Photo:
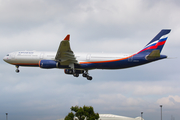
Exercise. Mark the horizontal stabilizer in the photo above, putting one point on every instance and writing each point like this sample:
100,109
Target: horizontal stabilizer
153,55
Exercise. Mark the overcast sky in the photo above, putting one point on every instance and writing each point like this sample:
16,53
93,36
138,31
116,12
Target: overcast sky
109,26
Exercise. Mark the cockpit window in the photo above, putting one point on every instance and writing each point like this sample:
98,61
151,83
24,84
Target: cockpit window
7,55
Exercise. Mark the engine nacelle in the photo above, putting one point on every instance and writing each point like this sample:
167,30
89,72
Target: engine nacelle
70,71
48,64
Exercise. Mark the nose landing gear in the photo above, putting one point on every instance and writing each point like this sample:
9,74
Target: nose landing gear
17,70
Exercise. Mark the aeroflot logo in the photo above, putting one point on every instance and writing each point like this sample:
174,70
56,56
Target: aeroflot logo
26,52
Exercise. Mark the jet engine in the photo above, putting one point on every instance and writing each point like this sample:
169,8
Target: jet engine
47,64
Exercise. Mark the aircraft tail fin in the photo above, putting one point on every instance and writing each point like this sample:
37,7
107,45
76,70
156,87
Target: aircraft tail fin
157,43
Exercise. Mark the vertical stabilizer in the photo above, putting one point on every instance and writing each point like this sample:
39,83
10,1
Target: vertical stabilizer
157,42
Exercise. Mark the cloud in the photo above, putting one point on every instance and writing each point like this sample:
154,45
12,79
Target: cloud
170,101
116,101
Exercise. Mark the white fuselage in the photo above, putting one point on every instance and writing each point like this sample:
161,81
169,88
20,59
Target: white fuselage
33,57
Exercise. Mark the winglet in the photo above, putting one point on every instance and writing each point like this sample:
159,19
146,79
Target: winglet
67,37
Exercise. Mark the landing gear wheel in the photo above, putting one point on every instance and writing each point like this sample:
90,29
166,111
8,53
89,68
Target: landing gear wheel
76,75
84,75
17,70
89,77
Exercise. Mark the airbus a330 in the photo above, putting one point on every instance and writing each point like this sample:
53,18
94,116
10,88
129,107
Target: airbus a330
81,63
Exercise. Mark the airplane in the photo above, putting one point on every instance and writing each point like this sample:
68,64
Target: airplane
80,63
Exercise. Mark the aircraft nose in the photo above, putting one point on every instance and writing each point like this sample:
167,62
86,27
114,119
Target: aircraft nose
5,59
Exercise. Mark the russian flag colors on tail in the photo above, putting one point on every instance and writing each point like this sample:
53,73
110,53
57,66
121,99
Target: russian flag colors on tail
157,42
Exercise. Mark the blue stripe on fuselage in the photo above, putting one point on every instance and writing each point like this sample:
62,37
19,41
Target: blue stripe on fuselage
138,59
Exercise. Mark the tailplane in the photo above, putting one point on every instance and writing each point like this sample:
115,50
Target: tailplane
153,55
156,44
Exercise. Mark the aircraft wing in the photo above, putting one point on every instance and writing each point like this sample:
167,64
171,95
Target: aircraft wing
64,54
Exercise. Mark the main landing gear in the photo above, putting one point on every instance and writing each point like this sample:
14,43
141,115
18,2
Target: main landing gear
86,74
17,70
75,74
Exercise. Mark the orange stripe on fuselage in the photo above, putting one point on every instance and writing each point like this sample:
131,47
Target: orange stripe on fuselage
106,61
28,64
